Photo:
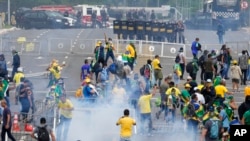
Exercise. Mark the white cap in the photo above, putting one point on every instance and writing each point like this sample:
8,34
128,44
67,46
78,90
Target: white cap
119,58
209,80
196,88
20,69
189,77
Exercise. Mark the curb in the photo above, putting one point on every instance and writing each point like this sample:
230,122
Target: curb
3,31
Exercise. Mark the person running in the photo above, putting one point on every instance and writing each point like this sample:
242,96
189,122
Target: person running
6,127
145,110
157,68
85,70
196,46
66,107
15,63
126,124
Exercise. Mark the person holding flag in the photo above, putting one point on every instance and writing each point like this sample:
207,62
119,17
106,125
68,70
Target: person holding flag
110,48
4,86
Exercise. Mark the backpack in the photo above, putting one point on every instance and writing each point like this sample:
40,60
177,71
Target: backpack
219,57
104,75
112,68
201,60
190,111
119,69
243,62
142,69
214,130
177,58
43,134
189,67
147,71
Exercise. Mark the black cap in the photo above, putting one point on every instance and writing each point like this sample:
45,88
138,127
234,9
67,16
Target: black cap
43,120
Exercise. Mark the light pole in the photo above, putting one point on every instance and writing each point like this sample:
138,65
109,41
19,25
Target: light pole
8,12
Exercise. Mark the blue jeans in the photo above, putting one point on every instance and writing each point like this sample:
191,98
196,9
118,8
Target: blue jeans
225,70
25,107
147,82
146,119
63,128
172,111
110,54
248,73
192,128
220,39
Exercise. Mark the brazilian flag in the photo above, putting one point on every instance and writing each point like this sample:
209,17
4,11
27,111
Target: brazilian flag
217,80
199,112
125,58
3,89
158,102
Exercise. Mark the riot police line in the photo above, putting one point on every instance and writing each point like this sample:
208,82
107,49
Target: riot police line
172,32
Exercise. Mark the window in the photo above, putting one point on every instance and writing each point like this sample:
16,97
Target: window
89,11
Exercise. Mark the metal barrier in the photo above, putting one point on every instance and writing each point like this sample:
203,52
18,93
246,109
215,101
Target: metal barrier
237,47
59,45
28,47
86,47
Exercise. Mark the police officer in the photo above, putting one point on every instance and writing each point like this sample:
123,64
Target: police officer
148,29
152,16
169,32
93,18
124,30
175,26
180,29
140,30
104,17
131,29
220,33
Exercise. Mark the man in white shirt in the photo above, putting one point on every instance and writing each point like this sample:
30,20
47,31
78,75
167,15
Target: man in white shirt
182,62
200,97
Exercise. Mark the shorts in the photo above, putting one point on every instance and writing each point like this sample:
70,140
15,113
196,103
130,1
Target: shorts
158,74
176,79
235,80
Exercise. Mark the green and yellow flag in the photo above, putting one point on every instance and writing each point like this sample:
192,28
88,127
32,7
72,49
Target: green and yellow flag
3,89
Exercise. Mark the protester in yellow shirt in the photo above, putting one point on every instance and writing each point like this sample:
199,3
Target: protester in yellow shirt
132,55
65,107
126,123
145,110
18,76
221,90
173,99
157,70
247,90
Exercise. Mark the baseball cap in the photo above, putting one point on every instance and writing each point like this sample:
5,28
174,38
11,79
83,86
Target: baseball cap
42,120
196,88
209,80
187,85
181,49
189,77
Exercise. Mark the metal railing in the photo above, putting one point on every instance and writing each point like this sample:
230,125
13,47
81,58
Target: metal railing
87,46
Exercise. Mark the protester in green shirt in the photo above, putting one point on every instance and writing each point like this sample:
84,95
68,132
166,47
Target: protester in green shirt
246,118
217,80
